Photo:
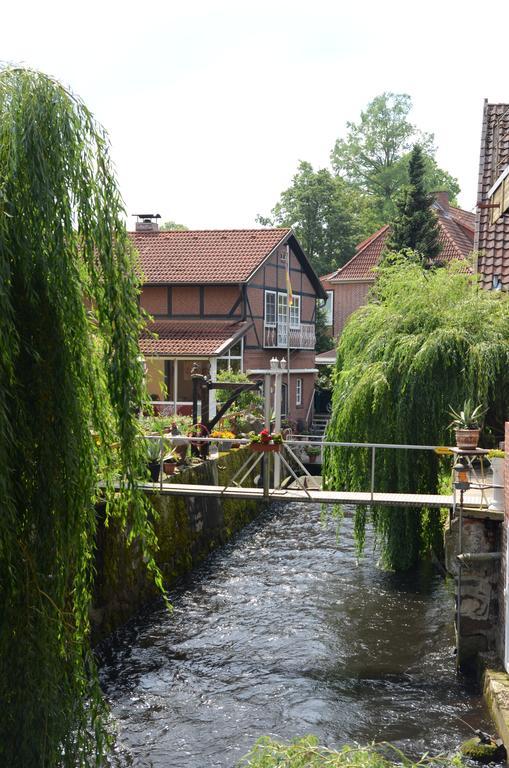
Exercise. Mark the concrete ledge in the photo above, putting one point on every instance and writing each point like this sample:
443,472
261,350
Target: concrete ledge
496,695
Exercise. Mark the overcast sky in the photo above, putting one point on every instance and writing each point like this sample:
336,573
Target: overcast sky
210,104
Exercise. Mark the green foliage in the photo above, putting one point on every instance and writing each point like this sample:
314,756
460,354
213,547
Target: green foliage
307,753
328,216
324,340
415,225
69,389
246,401
375,154
172,226
425,340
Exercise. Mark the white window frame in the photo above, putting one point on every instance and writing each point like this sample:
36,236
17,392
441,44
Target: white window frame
295,313
229,357
269,323
298,391
329,309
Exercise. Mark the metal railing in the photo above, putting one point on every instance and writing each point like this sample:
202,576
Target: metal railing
289,445
280,336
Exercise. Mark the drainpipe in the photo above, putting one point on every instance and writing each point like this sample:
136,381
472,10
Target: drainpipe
213,396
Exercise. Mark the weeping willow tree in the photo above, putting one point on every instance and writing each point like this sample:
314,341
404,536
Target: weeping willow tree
70,386
425,341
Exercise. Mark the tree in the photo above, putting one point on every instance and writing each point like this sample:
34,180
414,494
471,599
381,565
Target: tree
415,225
172,226
327,215
431,340
69,388
375,154
324,341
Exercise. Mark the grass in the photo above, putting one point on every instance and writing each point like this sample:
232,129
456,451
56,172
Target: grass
307,753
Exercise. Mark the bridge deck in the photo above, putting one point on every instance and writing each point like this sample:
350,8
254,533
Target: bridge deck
312,495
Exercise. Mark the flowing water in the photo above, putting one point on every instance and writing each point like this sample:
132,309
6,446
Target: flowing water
283,632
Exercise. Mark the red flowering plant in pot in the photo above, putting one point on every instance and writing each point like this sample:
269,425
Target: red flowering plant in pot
266,442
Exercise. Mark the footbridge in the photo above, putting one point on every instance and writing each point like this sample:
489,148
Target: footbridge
283,477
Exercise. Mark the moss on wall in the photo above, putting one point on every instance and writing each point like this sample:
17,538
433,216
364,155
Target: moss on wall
188,529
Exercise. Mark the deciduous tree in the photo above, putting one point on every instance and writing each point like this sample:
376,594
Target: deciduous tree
70,387
328,216
374,155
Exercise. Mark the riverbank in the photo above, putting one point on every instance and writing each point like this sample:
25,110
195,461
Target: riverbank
187,529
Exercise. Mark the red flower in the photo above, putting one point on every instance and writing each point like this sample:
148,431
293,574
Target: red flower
265,436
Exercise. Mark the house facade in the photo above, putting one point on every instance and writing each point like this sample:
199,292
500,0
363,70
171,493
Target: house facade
492,220
348,287
219,300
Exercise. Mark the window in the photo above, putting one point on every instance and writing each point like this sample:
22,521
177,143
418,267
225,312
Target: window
329,309
232,360
295,312
498,196
270,308
298,392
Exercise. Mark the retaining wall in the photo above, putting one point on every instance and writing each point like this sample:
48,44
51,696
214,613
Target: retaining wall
188,529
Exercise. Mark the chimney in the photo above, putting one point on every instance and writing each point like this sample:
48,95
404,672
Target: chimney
147,222
442,198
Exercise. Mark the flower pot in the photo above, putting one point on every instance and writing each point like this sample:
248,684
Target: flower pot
312,457
154,468
169,467
265,447
467,439
497,467
226,445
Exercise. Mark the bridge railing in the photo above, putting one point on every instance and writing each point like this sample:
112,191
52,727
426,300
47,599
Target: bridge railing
295,441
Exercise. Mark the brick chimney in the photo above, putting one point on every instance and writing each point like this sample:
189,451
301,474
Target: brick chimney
147,222
442,198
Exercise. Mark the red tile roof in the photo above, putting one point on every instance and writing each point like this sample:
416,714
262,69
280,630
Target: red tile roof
197,338
204,256
456,239
492,240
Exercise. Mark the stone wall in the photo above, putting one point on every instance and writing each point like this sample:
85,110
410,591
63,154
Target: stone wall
188,529
480,595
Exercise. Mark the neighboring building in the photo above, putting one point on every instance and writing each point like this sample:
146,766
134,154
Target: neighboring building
348,287
492,221
218,299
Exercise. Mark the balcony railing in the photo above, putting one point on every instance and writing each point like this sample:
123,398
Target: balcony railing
300,337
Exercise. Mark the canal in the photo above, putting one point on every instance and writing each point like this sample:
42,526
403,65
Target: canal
283,632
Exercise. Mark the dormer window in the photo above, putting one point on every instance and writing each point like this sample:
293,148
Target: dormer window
498,196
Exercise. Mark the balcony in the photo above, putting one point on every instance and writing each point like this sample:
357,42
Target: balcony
301,337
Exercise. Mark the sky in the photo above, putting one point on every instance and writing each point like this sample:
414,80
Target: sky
211,104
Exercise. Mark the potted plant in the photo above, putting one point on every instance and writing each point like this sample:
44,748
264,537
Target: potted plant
170,462
154,459
467,425
226,438
496,458
313,451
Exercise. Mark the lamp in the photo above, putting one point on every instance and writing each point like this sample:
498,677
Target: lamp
274,363
461,483
282,363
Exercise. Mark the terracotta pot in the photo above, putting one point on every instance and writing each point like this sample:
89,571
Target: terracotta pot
265,447
467,439
169,467
312,457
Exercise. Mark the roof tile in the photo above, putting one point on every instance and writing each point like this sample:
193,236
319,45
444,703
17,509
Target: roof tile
204,256
200,338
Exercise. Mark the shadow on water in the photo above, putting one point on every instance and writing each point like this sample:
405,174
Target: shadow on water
283,632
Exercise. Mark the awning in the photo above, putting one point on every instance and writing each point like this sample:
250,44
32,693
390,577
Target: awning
326,358
196,338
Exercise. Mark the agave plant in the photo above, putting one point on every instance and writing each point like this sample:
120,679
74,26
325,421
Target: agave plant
469,417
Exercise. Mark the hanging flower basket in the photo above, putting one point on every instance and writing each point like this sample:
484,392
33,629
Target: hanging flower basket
266,443
265,447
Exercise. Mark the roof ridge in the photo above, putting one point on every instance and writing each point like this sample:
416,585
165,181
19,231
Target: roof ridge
197,231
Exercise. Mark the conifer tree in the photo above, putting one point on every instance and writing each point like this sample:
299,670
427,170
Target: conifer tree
415,225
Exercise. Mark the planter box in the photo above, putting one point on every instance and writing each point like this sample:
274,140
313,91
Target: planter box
265,447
